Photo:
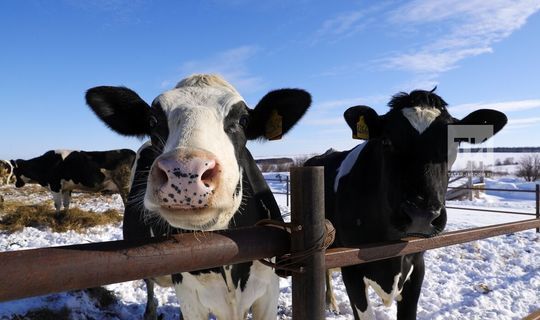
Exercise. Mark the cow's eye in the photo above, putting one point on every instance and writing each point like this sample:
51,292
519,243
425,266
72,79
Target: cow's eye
244,121
152,122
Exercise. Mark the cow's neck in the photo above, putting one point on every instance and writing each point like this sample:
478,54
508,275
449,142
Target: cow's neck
258,201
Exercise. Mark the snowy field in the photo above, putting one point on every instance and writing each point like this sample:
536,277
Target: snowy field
497,278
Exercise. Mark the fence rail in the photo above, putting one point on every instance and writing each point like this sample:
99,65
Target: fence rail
33,272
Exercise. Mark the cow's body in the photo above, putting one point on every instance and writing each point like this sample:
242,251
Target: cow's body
63,171
196,174
6,172
390,187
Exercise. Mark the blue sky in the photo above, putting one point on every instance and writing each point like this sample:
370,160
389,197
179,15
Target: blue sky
479,53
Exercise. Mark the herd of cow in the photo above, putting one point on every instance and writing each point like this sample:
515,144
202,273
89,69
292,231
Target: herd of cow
195,174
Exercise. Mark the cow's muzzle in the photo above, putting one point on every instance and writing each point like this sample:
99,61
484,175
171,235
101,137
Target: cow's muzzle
185,179
422,220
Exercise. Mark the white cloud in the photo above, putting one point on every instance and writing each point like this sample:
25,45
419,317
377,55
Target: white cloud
468,28
232,64
344,23
507,106
348,23
325,121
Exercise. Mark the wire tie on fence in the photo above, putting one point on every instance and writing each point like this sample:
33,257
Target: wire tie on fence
289,263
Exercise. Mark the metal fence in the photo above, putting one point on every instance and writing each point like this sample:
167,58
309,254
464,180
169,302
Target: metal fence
287,187
34,272
471,188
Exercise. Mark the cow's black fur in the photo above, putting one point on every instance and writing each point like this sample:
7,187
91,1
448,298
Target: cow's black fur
83,168
395,188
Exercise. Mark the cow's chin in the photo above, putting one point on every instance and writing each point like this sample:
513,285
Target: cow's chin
204,219
200,219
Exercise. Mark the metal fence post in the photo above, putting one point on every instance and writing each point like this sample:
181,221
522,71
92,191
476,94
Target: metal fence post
470,185
307,217
287,192
538,205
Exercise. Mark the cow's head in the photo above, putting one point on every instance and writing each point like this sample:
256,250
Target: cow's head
198,132
18,172
411,142
6,169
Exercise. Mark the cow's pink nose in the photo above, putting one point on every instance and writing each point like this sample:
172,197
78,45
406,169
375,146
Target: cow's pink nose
185,183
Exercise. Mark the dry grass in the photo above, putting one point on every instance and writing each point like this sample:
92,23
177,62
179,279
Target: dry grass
17,215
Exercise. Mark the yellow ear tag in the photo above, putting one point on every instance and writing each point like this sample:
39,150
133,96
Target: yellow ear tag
362,130
274,126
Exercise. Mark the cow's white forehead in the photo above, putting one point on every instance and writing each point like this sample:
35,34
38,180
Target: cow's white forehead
208,91
421,117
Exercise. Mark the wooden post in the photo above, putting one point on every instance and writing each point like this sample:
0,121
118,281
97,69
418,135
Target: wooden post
307,217
538,204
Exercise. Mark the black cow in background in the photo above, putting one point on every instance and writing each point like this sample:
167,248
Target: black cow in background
62,171
393,186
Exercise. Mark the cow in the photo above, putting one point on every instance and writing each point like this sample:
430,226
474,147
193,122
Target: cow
196,174
6,172
393,186
63,171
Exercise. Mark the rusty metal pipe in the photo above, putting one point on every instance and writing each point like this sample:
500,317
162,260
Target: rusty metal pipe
341,257
33,272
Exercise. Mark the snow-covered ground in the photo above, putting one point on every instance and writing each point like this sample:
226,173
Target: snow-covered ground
497,278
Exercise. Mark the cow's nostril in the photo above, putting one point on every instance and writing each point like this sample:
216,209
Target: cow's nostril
160,176
212,170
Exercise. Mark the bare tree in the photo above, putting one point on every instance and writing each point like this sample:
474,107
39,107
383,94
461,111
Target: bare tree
508,161
529,167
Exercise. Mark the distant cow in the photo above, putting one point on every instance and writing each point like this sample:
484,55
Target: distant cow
63,171
392,186
197,174
6,172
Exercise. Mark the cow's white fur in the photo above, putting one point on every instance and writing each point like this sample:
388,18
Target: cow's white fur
208,293
386,297
421,117
347,163
63,153
196,109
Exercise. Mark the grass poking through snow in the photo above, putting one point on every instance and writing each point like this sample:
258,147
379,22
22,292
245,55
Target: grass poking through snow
18,215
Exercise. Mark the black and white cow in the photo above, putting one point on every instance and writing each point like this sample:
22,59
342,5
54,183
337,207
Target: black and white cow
6,171
392,186
196,173
63,171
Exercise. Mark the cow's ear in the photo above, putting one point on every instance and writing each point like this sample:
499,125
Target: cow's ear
485,117
276,113
364,122
121,109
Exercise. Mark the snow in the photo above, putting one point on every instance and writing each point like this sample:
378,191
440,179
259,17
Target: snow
496,278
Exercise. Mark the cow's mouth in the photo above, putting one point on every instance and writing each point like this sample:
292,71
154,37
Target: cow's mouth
202,218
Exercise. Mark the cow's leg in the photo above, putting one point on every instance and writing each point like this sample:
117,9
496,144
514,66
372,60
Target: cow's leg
357,290
150,312
66,198
331,302
57,198
265,308
406,308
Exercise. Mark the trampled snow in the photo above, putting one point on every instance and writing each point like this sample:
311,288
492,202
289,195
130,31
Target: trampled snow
496,278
